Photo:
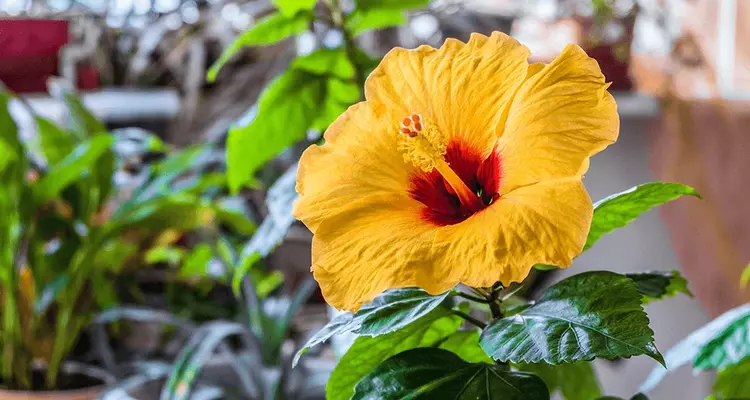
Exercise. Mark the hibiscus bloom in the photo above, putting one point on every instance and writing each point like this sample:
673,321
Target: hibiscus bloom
463,165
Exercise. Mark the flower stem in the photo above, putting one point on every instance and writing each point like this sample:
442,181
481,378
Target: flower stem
470,297
470,319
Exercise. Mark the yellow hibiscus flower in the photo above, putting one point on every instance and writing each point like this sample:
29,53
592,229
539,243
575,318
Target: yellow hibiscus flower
464,165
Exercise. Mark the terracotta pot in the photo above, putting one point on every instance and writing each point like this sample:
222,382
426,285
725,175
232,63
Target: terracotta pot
89,393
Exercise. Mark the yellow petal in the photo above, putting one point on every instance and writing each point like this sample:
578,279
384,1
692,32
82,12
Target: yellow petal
358,166
464,88
561,116
546,223
359,254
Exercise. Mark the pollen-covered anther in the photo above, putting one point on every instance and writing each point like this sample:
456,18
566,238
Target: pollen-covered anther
412,125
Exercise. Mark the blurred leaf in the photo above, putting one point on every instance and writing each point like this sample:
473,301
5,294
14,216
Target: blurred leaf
327,62
689,348
604,307
241,270
618,210
165,254
364,20
368,352
49,293
265,283
727,348
440,374
75,165
103,290
339,96
745,277
733,383
195,263
194,356
56,143
575,381
657,285
235,219
291,7
392,4
394,309
286,110
111,256
83,121
465,344
268,30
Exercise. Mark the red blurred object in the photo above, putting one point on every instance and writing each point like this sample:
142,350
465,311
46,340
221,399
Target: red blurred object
30,54
614,69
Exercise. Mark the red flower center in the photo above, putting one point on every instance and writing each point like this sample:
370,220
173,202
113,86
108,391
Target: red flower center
442,205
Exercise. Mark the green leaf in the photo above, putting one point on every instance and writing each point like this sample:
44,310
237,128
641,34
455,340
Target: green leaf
328,62
195,263
286,110
392,4
733,382
440,374
591,315
269,30
291,7
364,20
77,164
394,309
341,323
656,285
465,344
639,396
339,96
56,143
83,121
575,381
620,209
241,270
689,348
727,348
265,283
367,352
745,277
165,254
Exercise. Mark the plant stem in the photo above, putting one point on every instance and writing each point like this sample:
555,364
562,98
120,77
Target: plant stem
337,16
470,319
470,297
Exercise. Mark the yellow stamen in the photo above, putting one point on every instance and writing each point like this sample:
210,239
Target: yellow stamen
424,146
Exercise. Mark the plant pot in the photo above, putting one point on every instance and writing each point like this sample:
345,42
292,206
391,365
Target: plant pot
83,383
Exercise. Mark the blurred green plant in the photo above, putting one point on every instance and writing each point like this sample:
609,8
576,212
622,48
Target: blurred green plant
68,229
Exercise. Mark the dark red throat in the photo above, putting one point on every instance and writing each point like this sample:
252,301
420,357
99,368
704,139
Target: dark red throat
441,205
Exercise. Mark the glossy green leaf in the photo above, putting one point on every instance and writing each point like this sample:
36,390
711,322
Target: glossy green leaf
733,383
728,347
440,374
392,4
75,165
618,210
367,352
269,30
591,315
286,110
575,381
395,309
465,344
341,323
364,20
656,285
291,7
689,348
56,143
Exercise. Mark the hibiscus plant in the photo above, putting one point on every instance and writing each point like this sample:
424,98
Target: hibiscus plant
445,177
